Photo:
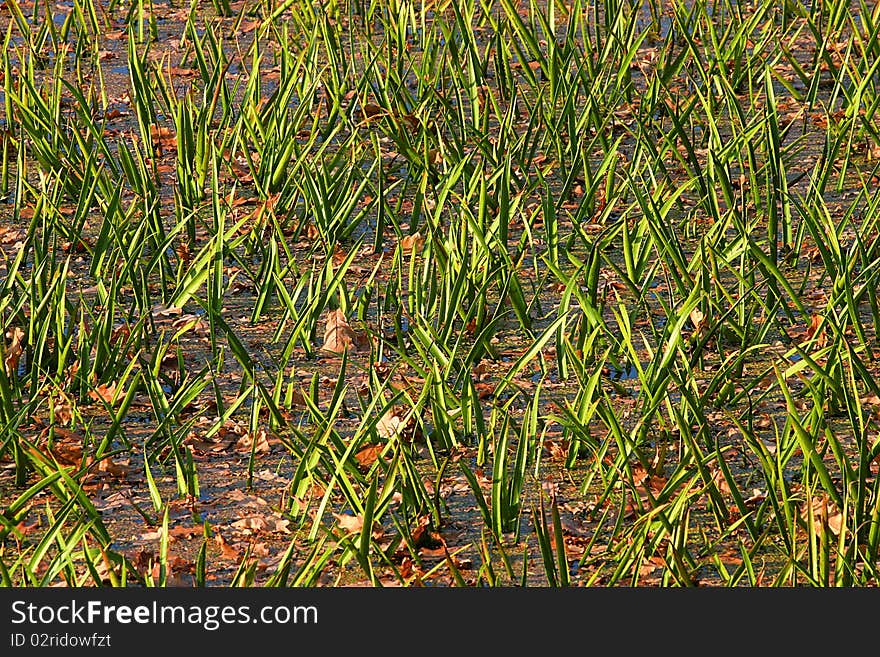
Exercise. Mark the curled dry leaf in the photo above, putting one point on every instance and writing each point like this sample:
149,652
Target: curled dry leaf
104,392
226,550
555,449
349,523
390,425
113,468
13,351
66,447
814,331
698,319
338,334
824,512
720,480
366,456
160,310
262,524
62,408
412,243
163,138
252,523
372,111
259,442
425,536
184,532
353,524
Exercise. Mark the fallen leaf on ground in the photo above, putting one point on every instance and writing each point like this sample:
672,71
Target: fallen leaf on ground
425,536
253,523
163,138
366,456
184,532
161,310
113,468
262,524
259,442
13,351
390,425
66,448
338,334
226,550
372,111
413,242
353,524
349,523
103,392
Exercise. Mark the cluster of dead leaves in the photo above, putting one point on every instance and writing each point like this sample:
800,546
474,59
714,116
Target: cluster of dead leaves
66,447
648,486
234,436
373,112
11,236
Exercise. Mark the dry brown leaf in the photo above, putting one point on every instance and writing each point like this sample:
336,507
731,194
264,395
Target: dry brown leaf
555,449
298,398
278,525
353,524
163,138
176,71
66,448
372,111
424,535
720,481
184,532
226,550
390,425
252,524
12,353
484,390
825,513
262,524
366,456
412,243
259,442
113,468
350,523
160,310
698,319
104,392
62,408
814,332
338,335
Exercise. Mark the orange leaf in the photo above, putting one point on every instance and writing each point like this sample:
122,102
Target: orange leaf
366,456
412,243
104,392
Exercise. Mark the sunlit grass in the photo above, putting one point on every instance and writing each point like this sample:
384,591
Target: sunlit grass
500,293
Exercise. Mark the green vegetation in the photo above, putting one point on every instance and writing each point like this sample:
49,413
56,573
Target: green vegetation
489,292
